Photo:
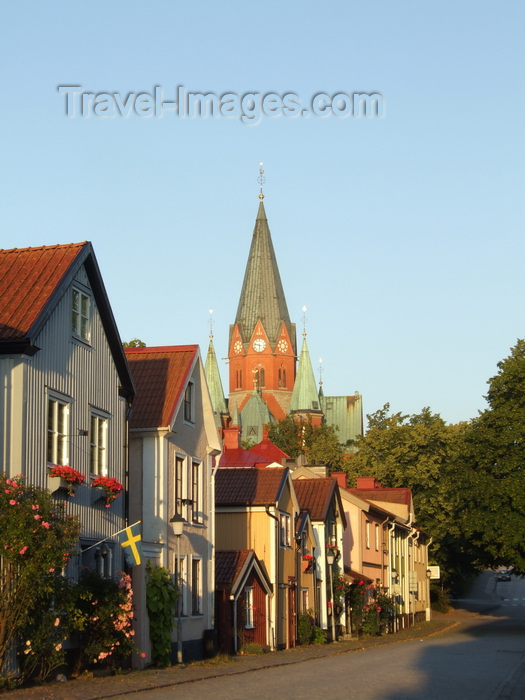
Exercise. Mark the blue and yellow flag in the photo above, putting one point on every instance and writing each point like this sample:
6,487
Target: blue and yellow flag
130,541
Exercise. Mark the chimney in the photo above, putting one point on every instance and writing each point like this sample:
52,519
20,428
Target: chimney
367,482
232,437
340,477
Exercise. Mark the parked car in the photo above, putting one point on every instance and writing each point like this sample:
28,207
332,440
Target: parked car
503,575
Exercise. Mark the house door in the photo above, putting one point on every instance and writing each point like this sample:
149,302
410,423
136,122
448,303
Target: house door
292,611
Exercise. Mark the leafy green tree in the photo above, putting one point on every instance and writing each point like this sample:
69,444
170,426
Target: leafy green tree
37,540
420,452
319,444
135,343
492,492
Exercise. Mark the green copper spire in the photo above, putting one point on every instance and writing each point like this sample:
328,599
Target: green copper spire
213,377
305,397
254,416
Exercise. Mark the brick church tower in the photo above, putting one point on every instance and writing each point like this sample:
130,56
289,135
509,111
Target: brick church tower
262,343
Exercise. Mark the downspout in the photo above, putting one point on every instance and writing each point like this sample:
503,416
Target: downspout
277,572
383,554
390,532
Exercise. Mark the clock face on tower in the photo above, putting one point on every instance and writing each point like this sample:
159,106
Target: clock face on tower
259,344
237,346
282,345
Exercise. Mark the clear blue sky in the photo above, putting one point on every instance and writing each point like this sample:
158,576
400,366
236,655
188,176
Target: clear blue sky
402,235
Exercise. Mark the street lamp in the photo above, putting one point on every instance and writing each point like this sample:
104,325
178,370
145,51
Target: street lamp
177,523
330,558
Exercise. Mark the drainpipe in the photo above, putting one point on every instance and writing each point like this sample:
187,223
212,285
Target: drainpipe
277,572
383,554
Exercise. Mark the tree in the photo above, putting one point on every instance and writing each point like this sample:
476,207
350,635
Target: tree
135,343
37,539
420,452
319,444
493,491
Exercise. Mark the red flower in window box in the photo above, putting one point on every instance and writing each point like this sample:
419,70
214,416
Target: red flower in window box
110,485
68,474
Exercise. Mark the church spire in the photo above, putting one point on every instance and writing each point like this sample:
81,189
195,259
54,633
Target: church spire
305,399
262,295
213,377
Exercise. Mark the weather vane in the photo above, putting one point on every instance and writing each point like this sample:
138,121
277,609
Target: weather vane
304,321
261,180
320,371
211,322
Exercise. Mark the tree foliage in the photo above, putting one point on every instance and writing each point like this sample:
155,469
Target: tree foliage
134,343
319,444
420,452
492,492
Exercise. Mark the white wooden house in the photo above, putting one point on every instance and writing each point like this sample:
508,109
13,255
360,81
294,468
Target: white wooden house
66,386
174,446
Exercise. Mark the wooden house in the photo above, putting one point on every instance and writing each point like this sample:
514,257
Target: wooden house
66,385
174,445
256,509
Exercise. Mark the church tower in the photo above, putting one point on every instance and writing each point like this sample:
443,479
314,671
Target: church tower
262,344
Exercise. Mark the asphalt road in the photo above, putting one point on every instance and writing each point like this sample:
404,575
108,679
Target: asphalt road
482,658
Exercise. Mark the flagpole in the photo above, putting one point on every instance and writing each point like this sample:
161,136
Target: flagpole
110,536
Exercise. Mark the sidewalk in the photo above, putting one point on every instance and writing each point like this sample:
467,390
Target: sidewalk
91,688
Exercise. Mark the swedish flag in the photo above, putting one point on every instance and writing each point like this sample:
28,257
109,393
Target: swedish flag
130,539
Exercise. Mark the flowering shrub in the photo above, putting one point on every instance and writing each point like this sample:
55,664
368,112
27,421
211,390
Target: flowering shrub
341,588
72,476
36,540
111,486
102,612
372,611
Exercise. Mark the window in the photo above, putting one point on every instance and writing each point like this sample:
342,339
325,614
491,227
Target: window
367,534
177,484
196,587
98,445
80,304
282,378
238,378
188,403
304,600
179,567
377,537
285,530
259,377
195,491
57,431
248,598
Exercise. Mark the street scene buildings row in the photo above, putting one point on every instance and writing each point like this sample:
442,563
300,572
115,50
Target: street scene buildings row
266,538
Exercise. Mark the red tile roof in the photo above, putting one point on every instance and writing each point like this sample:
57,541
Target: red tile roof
315,495
28,279
269,451
160,375
248,486
229,564
237,457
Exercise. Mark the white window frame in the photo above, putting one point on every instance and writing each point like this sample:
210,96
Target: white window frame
367,534
98,453
284,529
196,491
183,582
377,537
57,442
188,403
196,595
81,316
249,623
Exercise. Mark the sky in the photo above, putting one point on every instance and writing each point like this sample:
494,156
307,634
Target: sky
401,233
